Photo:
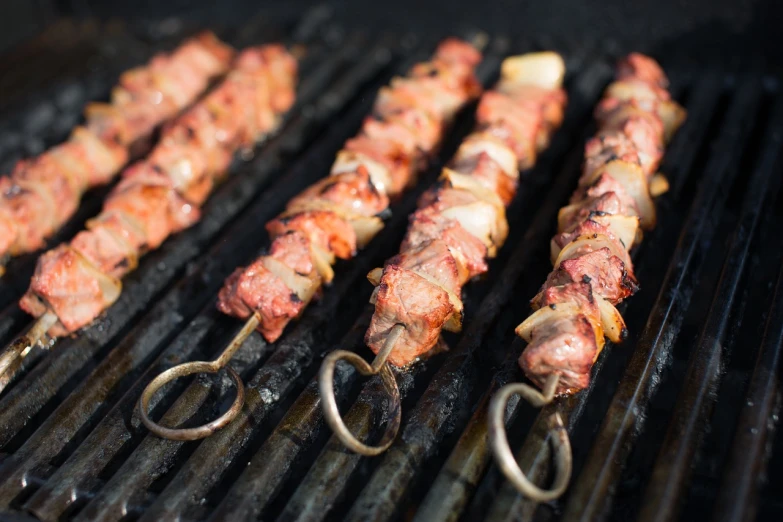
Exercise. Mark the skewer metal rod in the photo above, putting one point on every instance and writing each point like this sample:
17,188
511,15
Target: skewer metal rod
13,355
504,457
190,368
378,365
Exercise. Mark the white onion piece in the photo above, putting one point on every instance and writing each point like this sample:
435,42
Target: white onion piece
302,286
544,69
611,320
635,183
374,276
322,261
365,227
494,148
672,115
474,186
659,185
630,90
594,242
348,161
542,315
454,322
624,228
479,219
374,296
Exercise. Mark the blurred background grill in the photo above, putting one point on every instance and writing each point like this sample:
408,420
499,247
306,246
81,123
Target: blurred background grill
679,422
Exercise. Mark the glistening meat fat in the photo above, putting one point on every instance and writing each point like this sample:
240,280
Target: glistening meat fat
339,214
42,193
575,309
461,222
162,195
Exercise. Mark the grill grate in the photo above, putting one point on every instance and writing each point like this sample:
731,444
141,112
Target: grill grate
679,420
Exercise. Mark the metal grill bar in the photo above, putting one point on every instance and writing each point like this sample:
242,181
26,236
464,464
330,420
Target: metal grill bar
72,446
280,376
140,289
674,462
739,489
591,492
444,399
171,308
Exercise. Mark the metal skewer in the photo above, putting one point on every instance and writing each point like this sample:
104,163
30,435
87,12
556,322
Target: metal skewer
191,368
379,365
13,355
498,440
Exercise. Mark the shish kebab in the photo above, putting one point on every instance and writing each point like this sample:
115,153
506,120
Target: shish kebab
159,196
460,224
339,214
575,308
42,193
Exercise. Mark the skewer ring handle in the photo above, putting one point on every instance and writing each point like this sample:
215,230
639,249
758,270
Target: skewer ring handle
498,440
198,432
332,412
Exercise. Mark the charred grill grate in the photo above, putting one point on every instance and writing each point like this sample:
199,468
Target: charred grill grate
679,421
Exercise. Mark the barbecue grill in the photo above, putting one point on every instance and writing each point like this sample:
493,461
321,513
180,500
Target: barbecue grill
679,421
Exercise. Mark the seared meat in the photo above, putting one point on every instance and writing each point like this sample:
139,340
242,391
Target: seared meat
353,191
407,298
159,196
605,272
44,192
466,248
461,221
593,270
337,215
565,346
70,286
326,229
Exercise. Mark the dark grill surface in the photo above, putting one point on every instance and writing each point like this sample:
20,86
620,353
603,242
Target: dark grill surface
679,422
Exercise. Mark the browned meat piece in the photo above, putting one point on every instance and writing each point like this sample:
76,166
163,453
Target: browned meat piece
608,146
31,209
644,129
608,275
639,66
158,210
354,191
324,228
588,227
551,103
566,346
515,120
426,129
107,251
68,285
456,51
490,174
433,259
467,249
604,183
409,299
391,156
607,203
293,250
579,293
255,289
394,132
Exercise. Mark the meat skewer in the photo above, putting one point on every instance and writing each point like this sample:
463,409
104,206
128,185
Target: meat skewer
339,214
42,193
460,223
575,310
159,196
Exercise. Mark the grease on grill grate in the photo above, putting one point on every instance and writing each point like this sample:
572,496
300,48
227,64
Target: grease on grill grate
678,423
